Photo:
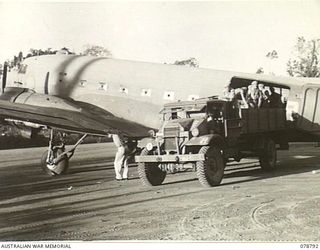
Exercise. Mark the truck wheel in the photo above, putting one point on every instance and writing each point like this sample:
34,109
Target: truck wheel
268,155
54,169
210,171
149,173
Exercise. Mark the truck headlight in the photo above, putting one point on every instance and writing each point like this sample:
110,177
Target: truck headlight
149,146
195,132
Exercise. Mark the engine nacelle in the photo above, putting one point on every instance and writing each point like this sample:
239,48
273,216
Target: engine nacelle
27,96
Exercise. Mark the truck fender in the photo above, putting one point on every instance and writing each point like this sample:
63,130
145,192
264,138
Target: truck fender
206,140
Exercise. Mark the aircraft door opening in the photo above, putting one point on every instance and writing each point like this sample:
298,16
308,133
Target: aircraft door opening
309,120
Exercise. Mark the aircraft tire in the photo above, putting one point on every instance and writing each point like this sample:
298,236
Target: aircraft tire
268,155
210,171
55,169
149,173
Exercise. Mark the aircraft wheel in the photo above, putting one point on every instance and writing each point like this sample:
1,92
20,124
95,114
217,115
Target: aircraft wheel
54,169
268,155
210,171
149,173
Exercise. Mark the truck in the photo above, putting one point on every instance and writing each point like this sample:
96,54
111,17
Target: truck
204,134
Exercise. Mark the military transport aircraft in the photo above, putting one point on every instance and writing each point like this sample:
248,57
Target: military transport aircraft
101,96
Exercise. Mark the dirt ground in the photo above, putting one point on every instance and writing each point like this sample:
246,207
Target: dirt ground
88,204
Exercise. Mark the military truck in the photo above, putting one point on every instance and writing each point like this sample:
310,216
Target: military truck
202,135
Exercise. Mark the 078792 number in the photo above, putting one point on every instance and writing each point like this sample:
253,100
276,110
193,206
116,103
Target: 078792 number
309,246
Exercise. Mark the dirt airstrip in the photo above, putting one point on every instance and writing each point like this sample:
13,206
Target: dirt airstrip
88,204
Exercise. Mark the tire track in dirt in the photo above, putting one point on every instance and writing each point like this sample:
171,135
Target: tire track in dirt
254,215
181,225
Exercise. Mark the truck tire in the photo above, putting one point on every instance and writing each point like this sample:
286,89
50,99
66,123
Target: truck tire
210,171
268,155
149,173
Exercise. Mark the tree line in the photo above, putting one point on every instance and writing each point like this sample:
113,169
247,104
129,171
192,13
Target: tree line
304,63
91,50
305,60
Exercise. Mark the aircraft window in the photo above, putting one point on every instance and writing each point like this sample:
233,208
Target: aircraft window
83,83
146,92
124,90
103,86
168,95
193,97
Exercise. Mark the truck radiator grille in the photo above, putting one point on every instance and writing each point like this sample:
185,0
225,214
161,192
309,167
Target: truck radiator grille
170,144
171,131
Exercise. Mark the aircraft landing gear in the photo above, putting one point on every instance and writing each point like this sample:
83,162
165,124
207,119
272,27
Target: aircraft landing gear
55,160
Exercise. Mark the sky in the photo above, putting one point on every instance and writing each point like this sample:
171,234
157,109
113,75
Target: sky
228,35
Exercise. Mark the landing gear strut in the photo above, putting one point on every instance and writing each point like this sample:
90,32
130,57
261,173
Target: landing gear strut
55,160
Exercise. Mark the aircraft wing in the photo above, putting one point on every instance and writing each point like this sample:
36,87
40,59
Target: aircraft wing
90,120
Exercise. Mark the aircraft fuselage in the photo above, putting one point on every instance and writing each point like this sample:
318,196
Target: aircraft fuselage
132,90
136,91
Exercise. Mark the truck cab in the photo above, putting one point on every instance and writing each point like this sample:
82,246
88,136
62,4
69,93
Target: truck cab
204,134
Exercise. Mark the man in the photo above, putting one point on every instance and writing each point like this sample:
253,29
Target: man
229,93
254,100
263,96
125,149
243,103
274,99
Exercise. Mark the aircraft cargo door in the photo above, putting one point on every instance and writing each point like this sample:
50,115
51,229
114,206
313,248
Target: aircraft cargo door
310,114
